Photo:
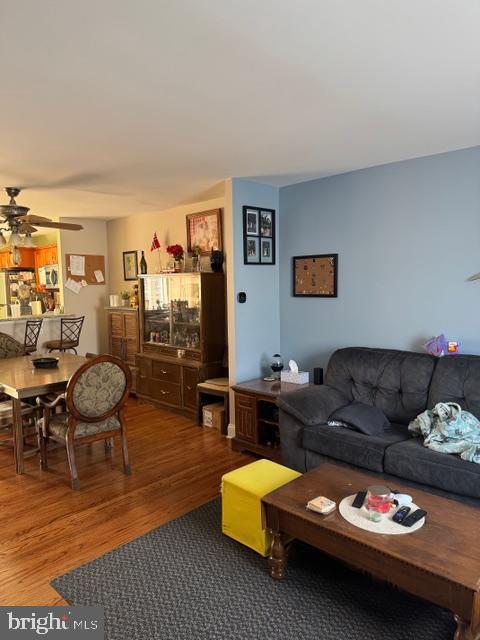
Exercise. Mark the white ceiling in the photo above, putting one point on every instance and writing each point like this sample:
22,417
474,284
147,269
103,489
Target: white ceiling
155,101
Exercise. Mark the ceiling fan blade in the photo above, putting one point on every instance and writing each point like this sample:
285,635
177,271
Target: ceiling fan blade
69,226
34,219
26,228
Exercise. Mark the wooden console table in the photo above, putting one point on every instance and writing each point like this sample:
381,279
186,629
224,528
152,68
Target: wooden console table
256,416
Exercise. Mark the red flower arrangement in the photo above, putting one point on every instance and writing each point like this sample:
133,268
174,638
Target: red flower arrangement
175,250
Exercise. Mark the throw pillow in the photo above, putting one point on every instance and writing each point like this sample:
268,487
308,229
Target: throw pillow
362,417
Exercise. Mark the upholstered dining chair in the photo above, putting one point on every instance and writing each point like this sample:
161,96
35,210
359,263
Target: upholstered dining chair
11,348
95,398
70,329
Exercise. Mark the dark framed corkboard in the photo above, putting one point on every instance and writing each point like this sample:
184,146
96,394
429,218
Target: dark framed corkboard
315,276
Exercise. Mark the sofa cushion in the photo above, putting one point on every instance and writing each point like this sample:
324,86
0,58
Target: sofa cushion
362,417
351,446
311,405
412,460
396,382
457,379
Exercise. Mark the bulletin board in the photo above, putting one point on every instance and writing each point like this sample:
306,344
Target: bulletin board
315,276
92,264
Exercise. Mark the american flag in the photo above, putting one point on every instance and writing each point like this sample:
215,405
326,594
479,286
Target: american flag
155,246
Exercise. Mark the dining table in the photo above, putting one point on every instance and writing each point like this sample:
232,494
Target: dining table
19,379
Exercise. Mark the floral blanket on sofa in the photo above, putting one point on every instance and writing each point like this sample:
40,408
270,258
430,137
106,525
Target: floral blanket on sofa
448,429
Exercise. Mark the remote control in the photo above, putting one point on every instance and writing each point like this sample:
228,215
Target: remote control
401,514
359,499
414,517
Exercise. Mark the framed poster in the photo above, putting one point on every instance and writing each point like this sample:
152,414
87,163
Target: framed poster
258,235
315,276
204,230
130,265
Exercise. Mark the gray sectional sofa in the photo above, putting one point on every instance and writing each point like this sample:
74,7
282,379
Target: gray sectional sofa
402,384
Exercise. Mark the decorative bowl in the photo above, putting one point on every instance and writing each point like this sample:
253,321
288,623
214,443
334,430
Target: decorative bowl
45,362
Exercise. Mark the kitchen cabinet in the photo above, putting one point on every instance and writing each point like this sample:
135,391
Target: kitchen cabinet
27,258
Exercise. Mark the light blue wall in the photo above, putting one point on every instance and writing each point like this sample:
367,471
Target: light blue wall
257,321
407,235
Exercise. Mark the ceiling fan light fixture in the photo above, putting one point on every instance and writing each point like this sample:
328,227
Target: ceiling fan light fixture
28,241
15,239
16,256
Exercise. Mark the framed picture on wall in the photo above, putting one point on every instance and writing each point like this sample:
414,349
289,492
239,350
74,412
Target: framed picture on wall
130,265
315,276
204,230
258,235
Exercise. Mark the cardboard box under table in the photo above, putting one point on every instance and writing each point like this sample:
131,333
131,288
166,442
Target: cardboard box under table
242,491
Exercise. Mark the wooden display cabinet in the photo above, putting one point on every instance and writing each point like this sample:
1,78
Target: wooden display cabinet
182,336
256,417
123,337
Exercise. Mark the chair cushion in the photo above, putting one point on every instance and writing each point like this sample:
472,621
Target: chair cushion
362,417
396,382
56,344
351,446
312,405
58,426
412,460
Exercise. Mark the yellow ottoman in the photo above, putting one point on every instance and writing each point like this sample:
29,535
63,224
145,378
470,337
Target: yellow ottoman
242,491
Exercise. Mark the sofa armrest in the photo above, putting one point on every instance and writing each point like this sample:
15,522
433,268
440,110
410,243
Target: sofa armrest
298,409
291,441
312,405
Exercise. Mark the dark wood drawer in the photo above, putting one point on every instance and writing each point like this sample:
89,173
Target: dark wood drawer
142,385
166,371
190,381
144,367
166,392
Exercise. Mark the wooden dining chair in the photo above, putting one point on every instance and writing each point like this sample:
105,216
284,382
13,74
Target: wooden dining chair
95,398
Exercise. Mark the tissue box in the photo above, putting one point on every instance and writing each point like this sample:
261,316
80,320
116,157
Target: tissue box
300,377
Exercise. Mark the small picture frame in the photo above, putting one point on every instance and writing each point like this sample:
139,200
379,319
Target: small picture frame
204,230
266,223
253,250
315,276
251,218
130,265
258,236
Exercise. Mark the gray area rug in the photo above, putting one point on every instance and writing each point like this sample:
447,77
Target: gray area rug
185,580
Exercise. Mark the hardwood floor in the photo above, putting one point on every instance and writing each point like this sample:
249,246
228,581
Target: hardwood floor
48,529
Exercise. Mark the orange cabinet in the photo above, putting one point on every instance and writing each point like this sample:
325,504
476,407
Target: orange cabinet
44,256
27,258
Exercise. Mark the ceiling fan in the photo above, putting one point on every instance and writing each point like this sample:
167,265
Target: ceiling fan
17,220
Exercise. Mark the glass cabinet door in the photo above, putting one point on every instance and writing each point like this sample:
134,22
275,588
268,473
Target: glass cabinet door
156,310
185,303
172,310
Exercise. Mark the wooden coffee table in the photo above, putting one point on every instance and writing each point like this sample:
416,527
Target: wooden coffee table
440,562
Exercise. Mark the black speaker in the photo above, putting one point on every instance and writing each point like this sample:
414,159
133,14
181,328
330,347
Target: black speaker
318,375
